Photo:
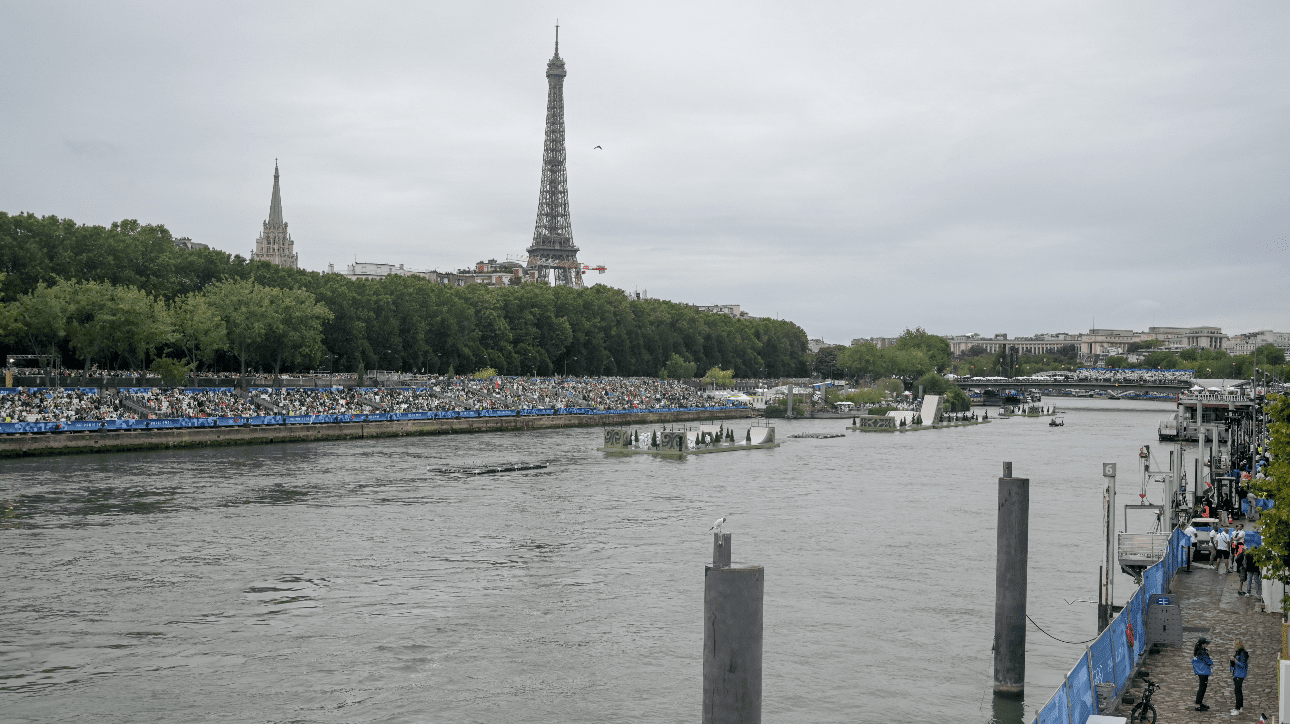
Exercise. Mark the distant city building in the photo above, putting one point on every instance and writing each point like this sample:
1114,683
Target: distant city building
491,272
184,242
730,309
275,244
1189,337
368,270
878,342
1096,343
1100,342
1039,344
1250,341
815,345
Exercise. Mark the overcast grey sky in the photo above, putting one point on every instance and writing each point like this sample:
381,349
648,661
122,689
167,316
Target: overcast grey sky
855,167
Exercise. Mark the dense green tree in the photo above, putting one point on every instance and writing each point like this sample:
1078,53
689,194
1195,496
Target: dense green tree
719,377
1270,355
243,306
200,332
825,363
400,323
145,325
678,369
93,319
292,329
1274,524
935,348
38,320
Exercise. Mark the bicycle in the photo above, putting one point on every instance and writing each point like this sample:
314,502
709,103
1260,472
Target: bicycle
1144,711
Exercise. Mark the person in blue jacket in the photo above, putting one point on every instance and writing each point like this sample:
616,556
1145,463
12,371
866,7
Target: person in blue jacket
1239,664
1202,664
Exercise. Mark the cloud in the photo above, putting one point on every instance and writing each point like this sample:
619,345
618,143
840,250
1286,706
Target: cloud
856,168
90,147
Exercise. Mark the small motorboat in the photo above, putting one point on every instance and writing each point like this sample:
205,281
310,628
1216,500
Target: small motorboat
1057,422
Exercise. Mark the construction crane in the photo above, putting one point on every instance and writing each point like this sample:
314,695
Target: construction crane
533,260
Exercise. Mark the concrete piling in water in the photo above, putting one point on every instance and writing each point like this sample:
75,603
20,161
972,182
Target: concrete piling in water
1010,585
732,638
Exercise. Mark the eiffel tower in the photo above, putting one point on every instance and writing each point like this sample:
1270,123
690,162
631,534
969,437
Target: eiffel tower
552,251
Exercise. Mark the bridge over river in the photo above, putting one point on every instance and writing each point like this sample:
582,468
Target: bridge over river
1022,384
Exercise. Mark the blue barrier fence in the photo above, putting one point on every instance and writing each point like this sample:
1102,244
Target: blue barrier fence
1115,654
183,422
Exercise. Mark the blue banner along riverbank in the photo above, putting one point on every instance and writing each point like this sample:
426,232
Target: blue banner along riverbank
44,438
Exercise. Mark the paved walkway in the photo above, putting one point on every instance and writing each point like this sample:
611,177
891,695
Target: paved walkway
1212,608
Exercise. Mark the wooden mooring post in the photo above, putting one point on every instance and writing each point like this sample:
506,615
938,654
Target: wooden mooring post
1010,585
732,638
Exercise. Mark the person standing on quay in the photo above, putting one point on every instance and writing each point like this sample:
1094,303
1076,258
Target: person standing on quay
1253,578
1202,665
1239,664
1190,532
1221,544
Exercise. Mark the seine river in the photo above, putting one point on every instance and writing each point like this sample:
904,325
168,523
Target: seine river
342,582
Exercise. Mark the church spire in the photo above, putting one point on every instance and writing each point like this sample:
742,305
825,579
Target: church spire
275,205
275,244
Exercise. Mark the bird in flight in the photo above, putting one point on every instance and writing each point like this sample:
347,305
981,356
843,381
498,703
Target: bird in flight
597,147
717,525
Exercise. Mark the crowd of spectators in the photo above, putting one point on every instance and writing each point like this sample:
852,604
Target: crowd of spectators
59,404
1141,376
431,394
495,393
172,402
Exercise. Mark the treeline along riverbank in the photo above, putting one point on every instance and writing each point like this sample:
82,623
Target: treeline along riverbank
60,439
123,295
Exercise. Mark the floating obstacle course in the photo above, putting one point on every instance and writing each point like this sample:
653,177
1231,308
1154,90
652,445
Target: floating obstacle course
688,440
1029,411
882,423
817,435
930,416
489,469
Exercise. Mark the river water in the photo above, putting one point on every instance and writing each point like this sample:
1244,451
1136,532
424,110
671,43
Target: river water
342,582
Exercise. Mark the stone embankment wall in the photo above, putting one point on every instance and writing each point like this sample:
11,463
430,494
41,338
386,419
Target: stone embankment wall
61,443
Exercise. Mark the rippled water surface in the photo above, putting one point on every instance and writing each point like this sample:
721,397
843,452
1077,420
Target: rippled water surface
341,581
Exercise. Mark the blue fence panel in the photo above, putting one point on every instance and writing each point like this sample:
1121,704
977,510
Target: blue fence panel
1056,711
1103,661
15,427
1153,579
265,419
82,425
1138,619
230,421
1079,690
1182,550
1120,646
1253,539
